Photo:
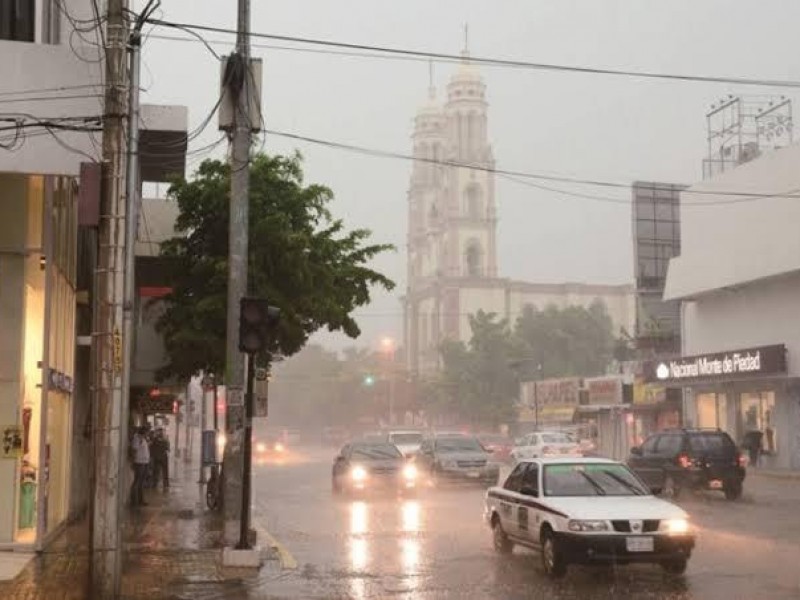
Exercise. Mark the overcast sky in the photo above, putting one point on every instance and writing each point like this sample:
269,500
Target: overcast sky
589,126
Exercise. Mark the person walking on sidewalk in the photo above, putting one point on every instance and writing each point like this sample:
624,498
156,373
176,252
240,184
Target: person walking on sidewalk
160,451
140,453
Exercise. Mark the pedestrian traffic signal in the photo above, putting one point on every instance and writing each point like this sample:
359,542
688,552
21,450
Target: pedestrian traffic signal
257,319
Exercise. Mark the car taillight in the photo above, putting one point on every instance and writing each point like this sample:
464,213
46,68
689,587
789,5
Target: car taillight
684,461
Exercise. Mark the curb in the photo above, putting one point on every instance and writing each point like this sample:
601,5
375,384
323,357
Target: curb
779,475
285,557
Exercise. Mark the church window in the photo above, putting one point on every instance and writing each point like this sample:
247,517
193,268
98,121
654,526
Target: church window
473,205
473,257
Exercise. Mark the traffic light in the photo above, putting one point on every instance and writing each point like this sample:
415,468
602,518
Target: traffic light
369,380
256,320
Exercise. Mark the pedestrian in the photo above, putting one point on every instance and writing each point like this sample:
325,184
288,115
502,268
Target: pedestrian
752,441
160,450
140,455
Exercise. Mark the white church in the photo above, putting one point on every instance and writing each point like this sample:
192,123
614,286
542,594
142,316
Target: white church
452,233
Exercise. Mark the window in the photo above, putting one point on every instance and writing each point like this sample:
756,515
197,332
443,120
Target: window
473,257
473,207
591,479
649,447
758,414
530,479
514,481
18,20
669,445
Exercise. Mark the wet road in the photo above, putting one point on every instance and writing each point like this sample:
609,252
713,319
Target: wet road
436,545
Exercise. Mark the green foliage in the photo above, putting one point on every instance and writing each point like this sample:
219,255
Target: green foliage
300,258
480,381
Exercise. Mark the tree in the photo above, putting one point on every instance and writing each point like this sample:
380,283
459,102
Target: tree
573,341
300,258
478,383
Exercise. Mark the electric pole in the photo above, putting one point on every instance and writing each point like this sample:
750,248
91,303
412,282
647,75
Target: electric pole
111,424
239,83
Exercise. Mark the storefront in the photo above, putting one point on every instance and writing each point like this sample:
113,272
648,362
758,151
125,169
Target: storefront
38,236
548,404
744,392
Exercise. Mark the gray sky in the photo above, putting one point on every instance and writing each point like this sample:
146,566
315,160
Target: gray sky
590,126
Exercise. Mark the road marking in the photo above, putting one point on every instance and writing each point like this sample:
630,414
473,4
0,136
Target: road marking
288,561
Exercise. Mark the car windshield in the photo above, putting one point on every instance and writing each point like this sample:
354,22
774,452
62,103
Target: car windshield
406,438
591,479
556,438
458,444
375,451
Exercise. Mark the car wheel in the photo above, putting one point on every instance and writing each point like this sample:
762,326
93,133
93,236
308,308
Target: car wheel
733,490
500,541
676,566
671,490
553,562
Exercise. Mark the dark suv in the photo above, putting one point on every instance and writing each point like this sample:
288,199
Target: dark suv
673,460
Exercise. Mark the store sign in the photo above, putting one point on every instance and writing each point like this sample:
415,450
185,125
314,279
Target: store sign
11,441
604,390
648,393
764,360
558,392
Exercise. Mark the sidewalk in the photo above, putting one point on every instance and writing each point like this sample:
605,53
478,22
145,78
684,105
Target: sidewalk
173,550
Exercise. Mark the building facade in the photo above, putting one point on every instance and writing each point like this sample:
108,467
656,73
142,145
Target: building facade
452,232
50,209
44,81
738,278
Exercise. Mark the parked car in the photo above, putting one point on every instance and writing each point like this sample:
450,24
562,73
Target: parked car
407,440
498,444
586,511
704,459
365,466
545,443
457,457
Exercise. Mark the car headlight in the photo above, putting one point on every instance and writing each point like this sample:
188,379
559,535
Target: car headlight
676,526
587,525
261,447
410,472
358,473
279,447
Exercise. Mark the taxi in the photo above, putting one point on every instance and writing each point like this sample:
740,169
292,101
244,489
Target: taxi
586,511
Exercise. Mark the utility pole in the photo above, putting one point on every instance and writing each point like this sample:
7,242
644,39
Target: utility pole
239,85
111,425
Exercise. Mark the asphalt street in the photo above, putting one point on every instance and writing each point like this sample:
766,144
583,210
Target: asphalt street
437,546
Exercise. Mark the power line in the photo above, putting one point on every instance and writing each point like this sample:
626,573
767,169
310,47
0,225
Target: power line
487,61
513,175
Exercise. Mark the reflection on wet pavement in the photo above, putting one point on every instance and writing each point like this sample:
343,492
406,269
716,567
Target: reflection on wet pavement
437,546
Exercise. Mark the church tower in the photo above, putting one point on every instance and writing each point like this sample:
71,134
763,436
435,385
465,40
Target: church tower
451,215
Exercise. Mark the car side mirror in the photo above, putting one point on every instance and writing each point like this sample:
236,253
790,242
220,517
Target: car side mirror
527,490
636,451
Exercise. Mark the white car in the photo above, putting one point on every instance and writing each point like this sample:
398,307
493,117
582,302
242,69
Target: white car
407,441
545,443
586,511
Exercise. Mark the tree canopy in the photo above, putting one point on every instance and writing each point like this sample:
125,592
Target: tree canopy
300,258
479,383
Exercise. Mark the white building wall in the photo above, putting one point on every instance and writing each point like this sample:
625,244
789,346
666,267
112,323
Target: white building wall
38,70
755,315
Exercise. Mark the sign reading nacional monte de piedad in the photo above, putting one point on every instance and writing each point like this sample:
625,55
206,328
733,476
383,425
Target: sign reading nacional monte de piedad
731,364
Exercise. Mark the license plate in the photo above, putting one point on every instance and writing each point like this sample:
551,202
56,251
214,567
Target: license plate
639,544
715,484
474,474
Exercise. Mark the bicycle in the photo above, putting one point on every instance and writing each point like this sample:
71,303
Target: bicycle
214,487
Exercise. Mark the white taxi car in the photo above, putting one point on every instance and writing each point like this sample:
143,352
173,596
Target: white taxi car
586,511
544,443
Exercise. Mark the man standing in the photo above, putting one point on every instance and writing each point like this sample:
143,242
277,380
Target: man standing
140,452
160,450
